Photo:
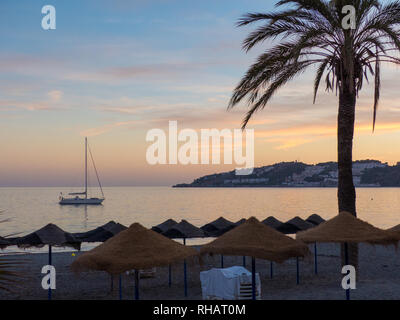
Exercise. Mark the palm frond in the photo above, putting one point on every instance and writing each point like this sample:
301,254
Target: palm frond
309,32
320,73
377,90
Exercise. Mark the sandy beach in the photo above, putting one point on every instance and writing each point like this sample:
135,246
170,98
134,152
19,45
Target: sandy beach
378,278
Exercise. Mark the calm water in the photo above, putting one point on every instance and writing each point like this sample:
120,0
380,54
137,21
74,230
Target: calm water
32,208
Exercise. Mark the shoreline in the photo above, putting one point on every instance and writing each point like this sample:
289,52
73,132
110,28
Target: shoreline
278,187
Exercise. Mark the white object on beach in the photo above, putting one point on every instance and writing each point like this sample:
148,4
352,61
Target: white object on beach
228,284
84,200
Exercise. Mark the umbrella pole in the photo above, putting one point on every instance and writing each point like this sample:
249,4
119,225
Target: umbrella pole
120,287
253,278
346,259
297,271
49,290
315,259
169,276
136,284
222,261
244,261
184,271
185,277
271,269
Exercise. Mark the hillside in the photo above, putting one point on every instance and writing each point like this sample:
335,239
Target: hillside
366,173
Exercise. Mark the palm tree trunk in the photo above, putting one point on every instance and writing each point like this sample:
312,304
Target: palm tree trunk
346,189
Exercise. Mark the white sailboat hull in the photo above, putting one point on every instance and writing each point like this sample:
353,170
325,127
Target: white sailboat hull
79,201
85,200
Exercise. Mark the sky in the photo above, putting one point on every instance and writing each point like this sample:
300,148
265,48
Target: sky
113,70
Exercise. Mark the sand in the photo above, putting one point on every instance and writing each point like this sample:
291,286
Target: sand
378,278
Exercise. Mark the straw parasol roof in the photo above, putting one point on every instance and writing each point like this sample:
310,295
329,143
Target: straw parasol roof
4,243
101,233
162,227
294,225
218,227
346,228
257,240
395,229
315,219
136,248
114,227
241,221
184,230
48,235
272,222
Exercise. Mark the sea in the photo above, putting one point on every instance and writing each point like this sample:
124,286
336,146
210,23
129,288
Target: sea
28,209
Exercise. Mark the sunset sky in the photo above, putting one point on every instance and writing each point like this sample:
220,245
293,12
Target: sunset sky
112,70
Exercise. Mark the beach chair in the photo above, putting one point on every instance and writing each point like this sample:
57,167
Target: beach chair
245,290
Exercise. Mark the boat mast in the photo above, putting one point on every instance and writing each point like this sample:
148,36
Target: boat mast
95,170
86,168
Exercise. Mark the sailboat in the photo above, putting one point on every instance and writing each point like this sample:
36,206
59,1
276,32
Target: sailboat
81,198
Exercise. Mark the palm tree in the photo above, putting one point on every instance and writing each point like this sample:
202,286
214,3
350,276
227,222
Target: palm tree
307,33
314,35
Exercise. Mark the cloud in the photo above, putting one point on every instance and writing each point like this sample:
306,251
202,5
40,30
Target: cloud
50,102
161,72
55,95
140,107
296,135
6,105
206,88
92,132
290,143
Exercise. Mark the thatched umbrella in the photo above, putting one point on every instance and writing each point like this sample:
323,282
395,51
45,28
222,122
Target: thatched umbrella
272,222
4,243
218,227
315,219
238,223
114,227
241,221
257,240
294,225
102,233
135,248
346,228
183,230
50,235
395,229
162,227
